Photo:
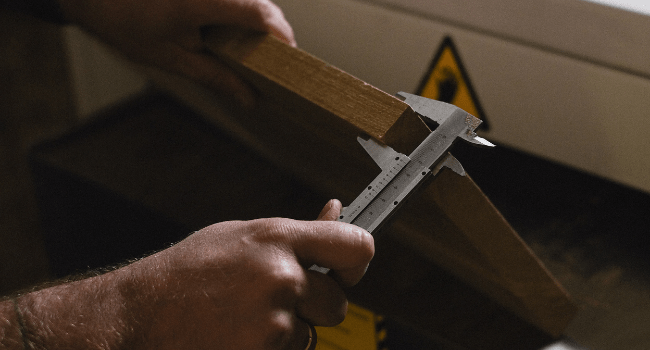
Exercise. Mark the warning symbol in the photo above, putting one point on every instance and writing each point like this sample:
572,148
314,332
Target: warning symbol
447,81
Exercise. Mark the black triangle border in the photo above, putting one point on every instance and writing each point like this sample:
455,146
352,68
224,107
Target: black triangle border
447,42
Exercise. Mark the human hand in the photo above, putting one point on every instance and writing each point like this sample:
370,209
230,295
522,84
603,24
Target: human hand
246,285
167,33
233,285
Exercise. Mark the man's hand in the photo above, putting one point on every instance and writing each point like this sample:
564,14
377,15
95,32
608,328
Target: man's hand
245,285
232,285
167,33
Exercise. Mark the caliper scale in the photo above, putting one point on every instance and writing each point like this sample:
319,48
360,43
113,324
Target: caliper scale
402,174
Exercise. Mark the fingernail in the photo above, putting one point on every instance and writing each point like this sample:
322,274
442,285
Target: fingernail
325,212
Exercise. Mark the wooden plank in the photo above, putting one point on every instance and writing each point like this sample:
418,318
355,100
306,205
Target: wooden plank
324,97
307,120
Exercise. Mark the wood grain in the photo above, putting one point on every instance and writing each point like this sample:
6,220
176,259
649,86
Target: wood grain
307,121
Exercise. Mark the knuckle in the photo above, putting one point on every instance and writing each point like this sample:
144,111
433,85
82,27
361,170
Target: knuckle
267,10
281,323
281,328
260,12
288,278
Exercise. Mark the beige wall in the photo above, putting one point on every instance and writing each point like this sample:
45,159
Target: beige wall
565,80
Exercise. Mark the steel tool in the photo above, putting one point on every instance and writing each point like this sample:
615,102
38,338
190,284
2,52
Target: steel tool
401,175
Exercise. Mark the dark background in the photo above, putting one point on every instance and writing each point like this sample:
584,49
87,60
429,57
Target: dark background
591,233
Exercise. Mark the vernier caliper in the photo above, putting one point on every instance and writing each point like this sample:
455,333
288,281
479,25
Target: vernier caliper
402,174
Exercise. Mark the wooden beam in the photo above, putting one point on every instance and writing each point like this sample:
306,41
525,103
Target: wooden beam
324,97
308,118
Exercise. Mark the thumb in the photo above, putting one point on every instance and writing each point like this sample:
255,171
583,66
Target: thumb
331,211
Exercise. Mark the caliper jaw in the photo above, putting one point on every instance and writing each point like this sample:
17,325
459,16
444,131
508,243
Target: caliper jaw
401,175
438,112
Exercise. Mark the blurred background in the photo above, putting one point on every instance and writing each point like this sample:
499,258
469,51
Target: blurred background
564,88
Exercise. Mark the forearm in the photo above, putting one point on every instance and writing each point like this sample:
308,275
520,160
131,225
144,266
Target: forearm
10,326
86,314
234,285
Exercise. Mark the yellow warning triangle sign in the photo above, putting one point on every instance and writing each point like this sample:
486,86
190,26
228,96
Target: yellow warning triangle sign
447,81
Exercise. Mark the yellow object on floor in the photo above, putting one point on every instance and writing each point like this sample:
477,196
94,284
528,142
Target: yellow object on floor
357,332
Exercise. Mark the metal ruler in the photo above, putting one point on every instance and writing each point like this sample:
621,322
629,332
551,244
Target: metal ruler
401,175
